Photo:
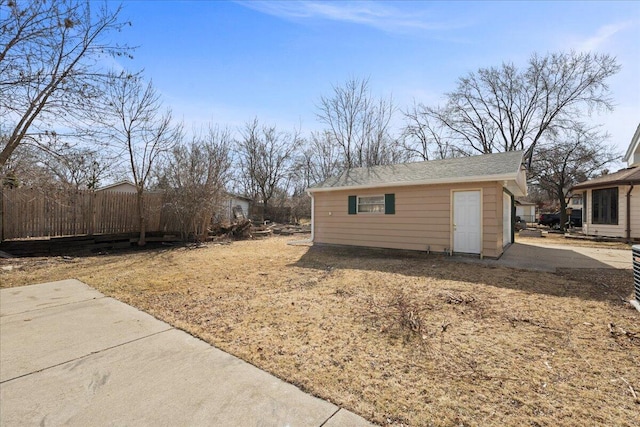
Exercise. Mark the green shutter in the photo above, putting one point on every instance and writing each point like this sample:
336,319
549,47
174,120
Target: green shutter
389,204
353,205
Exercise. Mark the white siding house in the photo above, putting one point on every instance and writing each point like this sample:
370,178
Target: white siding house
235,205
119,187
611,203
526,211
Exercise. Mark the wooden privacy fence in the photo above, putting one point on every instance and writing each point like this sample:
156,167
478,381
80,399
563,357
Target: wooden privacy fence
27,212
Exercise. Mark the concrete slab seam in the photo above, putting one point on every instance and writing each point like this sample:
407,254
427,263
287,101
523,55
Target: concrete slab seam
331,416
58,305
86,355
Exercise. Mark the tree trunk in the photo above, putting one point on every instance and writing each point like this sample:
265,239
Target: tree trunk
6,152
204,228
142,221
563,210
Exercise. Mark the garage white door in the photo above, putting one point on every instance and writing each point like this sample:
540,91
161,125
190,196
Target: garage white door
466,222
506,219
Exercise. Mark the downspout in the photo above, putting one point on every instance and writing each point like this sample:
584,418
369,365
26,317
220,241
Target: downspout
629,212
313,215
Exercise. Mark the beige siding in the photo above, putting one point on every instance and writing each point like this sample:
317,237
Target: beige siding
492,220
619,230
422,220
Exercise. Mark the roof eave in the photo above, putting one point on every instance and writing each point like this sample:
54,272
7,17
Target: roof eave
115,184
482,178
634,144
588,185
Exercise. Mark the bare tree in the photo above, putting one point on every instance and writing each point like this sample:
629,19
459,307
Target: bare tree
138,130
24,169
69,169
319,159
359,124
50,65
194,178
572,155
265,156
78,168
506,108
424,138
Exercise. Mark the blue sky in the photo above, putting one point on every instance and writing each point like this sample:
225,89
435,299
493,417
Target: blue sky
227,62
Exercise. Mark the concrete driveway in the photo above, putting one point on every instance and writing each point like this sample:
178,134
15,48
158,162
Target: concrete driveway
71,356
549,257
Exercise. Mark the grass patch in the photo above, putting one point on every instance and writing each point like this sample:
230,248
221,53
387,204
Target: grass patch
401,338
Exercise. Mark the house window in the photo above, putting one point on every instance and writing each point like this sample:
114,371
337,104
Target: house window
604,205
371,204
383,204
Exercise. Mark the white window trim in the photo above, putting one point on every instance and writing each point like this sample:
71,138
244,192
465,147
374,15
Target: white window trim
384,205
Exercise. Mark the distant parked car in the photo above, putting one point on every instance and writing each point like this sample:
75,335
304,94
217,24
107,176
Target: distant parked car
552,220
549,219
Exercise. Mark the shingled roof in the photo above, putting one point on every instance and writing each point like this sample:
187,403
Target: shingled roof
486,167
624,176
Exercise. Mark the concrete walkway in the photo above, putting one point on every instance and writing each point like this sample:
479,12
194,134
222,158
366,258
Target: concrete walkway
71,356
548,257
566,256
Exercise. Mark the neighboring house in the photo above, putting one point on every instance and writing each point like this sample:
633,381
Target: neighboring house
235,207
632,156
612,202
461,205
526,210
119,187
574,200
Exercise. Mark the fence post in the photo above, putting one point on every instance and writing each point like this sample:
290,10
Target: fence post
92,211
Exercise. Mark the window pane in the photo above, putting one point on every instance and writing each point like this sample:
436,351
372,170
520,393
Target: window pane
614,207
371,208
373,204
604,205
371,200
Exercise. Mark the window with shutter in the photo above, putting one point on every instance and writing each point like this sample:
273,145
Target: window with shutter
383,204
353,205
389,204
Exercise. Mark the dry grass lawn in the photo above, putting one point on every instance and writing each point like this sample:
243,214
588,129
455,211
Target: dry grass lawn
399,338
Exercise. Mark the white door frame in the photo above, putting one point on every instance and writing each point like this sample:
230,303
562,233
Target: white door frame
507,223
452,217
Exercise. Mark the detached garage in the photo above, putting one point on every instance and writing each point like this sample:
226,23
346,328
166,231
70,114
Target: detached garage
462,205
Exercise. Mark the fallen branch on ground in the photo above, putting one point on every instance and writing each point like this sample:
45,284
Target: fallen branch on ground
633,392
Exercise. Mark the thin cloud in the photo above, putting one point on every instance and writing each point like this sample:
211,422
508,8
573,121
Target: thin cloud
372,14
603,35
